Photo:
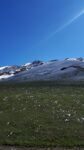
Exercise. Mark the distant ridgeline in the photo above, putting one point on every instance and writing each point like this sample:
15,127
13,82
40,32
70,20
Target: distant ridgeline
67,71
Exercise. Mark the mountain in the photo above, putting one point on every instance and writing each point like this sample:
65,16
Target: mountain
69,70
10,71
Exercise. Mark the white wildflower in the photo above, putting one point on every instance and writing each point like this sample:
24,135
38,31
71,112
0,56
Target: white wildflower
69,115
66,120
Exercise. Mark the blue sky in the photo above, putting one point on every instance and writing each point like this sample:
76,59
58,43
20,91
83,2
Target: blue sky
27,27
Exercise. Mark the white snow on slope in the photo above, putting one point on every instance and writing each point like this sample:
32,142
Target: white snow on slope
26,64
75,59
6,76
1,68
72,59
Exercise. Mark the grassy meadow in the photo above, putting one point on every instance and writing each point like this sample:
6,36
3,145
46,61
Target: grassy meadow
41,114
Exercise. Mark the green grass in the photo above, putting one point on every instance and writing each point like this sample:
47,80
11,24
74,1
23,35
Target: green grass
41,114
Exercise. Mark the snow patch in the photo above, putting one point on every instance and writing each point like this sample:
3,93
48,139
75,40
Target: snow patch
26,64
1,68
6,76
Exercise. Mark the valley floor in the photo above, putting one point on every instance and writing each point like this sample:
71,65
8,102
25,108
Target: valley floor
41,115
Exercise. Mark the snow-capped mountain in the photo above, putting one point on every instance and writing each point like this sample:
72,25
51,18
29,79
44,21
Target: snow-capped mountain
9,71
64,71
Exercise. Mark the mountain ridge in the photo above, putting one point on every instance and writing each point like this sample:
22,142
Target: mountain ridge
67,70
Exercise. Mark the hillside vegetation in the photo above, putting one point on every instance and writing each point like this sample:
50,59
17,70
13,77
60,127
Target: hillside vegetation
41,114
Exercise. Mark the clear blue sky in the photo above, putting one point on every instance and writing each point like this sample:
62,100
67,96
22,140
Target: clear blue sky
26,27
